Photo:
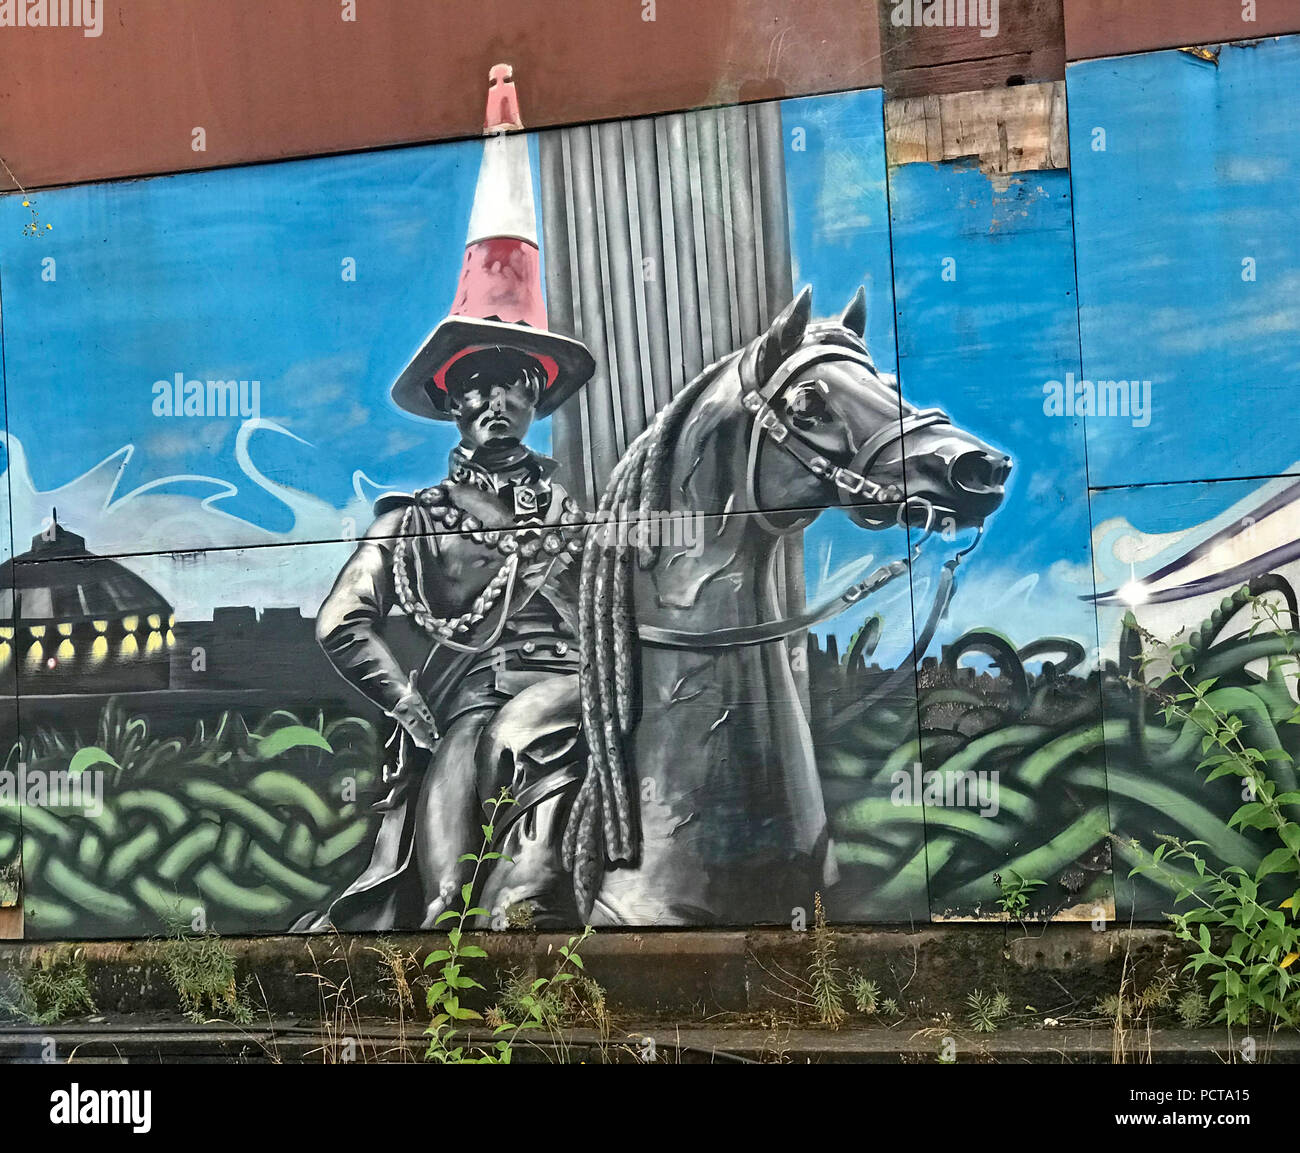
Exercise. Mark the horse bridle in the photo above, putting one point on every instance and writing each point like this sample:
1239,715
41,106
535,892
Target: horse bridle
851,480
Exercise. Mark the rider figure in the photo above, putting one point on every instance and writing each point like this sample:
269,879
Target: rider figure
485,566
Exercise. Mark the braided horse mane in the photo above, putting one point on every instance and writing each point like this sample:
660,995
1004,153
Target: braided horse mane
603,824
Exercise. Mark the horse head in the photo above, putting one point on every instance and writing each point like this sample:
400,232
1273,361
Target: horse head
815,391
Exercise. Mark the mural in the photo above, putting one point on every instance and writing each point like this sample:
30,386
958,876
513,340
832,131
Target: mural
753,502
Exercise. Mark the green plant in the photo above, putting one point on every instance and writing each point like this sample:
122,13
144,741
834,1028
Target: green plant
1193,1009
1158,994
823,972
516,999
987,1010
446,1042
1014,892
55,988
1244,942
565,1005
865,994
1114,1007
201,968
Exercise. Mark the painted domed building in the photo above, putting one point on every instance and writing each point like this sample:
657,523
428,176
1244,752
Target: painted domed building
74,622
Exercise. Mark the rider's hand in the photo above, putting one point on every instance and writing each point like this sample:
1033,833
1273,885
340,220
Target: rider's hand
414,716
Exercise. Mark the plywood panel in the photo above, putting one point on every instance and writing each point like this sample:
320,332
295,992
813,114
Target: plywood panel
1006,130
984,281
1189,261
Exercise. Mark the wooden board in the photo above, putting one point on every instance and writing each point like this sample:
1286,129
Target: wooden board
1025,44
1006,129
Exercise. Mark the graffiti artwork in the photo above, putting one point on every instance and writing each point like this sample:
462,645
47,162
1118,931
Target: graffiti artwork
753,507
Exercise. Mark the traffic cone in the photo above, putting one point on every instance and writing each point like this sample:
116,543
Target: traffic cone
499,301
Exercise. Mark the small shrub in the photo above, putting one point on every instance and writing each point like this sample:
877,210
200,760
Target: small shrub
987,1010
1014,892
1193,1009
55,988
201,968
865,994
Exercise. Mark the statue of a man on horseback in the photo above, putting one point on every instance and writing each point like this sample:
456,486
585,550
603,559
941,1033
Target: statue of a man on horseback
635,695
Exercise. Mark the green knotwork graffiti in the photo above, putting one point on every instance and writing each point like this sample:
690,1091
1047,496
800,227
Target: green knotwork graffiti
252,825
257,825
1084,766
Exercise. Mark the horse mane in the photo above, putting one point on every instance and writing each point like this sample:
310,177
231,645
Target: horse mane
603,824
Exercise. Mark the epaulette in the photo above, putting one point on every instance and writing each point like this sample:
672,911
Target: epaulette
394,500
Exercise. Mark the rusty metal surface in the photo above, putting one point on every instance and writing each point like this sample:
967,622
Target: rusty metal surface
1115,27
268,80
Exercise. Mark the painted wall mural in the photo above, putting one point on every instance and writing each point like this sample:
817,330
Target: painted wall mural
770,507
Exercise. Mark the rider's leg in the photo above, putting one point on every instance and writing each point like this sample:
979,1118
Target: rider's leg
448,815
530,749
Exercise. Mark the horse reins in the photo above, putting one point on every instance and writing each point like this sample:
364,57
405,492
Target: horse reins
850,480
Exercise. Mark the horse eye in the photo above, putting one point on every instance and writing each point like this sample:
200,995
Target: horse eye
807,404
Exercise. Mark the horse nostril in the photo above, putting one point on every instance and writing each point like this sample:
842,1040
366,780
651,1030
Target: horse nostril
979,472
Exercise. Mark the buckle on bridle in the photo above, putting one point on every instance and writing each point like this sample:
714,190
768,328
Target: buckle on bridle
851,482
771,423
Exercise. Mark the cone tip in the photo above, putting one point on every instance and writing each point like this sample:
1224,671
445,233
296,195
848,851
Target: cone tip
502,113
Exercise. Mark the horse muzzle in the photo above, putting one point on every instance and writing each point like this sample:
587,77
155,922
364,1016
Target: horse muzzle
958,489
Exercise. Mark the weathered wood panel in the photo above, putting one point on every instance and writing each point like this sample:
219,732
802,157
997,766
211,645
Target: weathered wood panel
1007,130
959,45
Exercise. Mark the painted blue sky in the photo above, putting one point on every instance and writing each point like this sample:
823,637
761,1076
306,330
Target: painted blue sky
1201,170
980,346
237,274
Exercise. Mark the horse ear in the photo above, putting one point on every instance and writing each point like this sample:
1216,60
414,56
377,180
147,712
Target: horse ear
785,333
855,316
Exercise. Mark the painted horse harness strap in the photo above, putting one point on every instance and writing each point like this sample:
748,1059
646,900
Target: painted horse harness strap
851,480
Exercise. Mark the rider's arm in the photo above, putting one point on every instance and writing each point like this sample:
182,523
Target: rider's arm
350,627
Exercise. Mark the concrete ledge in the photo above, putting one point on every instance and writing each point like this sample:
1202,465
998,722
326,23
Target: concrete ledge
673,975
290,1042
